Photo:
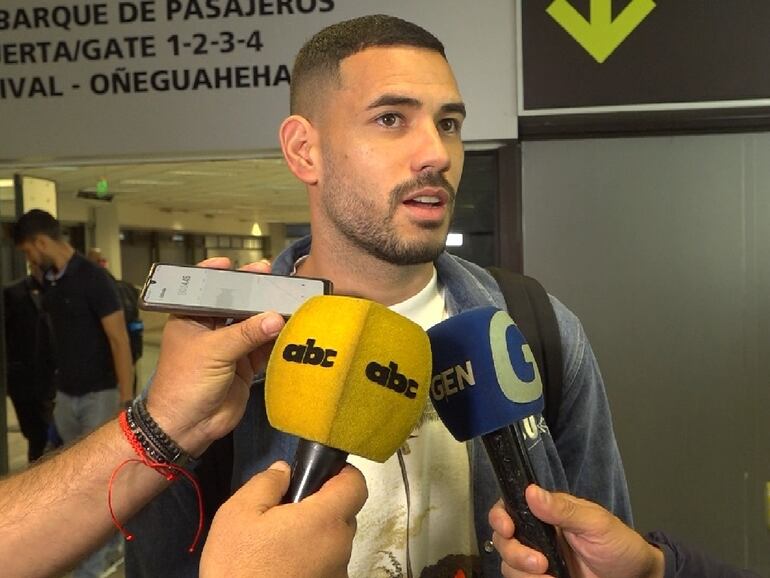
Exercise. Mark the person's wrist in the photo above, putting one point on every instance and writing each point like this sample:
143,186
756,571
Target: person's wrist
178,427
656,566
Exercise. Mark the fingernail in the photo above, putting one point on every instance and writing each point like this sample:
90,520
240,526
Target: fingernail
272,324
532,564
280,466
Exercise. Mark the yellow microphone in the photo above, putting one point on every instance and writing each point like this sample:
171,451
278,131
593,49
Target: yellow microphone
346,376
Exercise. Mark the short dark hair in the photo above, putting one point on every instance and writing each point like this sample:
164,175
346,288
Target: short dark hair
33,223
318,61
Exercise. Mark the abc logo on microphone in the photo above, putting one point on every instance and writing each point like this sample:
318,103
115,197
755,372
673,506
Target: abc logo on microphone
344,365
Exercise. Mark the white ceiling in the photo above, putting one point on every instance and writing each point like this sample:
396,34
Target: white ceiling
257,189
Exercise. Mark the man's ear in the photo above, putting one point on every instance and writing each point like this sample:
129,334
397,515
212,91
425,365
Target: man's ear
299,143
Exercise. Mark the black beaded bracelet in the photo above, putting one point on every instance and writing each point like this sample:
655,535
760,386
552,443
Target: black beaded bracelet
149,450
156,443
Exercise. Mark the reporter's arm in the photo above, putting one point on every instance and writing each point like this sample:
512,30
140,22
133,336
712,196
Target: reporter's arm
199,394
252,536
56,512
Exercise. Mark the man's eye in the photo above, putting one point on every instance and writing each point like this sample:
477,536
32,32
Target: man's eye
389,120
450,125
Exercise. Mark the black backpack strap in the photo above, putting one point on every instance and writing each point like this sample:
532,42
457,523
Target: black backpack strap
529,305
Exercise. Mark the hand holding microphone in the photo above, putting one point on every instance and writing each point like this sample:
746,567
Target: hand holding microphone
485,382
254,536
347,375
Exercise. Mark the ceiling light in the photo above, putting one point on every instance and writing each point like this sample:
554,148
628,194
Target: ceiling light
150,182
199,174
265,160
62,169
6,183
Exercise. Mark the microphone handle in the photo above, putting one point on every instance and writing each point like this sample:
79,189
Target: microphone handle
314,463
510,460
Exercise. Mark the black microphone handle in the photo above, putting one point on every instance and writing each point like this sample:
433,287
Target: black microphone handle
314,463
510,460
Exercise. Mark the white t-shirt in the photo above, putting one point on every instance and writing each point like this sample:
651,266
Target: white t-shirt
435,468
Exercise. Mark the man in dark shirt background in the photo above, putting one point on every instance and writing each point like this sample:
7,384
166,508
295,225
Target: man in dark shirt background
93,358
30,360
129,298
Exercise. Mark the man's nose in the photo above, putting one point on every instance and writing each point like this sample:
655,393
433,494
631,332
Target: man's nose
430,152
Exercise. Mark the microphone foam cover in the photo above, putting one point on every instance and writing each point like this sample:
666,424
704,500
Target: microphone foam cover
484,373
350,374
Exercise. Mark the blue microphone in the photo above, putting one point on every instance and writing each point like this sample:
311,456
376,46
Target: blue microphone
486,384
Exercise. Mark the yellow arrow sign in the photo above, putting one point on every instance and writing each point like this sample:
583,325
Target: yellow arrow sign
602,35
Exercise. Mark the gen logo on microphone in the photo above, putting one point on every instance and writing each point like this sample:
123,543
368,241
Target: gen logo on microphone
452,381
513,360
388,376
309,354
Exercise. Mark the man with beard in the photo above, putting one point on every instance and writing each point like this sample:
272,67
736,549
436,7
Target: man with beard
93,358
375,135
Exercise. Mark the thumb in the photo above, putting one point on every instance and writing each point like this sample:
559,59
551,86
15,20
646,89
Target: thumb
343,495
266,489
562,510
240,339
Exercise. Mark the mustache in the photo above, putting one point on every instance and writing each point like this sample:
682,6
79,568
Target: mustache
437,180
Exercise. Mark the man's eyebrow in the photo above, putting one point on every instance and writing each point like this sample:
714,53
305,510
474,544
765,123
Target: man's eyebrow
394,100
457,107
399,100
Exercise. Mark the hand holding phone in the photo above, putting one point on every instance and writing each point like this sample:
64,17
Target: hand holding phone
204,291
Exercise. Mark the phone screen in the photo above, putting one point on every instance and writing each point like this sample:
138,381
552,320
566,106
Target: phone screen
222,291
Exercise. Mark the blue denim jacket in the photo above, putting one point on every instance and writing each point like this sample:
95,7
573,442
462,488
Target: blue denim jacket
583,458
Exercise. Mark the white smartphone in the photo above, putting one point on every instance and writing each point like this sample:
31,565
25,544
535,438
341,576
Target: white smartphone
201,291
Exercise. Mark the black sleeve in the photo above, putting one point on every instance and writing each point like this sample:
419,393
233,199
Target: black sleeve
103,297
685,562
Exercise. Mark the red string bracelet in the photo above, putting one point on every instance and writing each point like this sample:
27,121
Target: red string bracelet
169,471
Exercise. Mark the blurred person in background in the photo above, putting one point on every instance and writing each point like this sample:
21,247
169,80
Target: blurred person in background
93,358
129,299
30,360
